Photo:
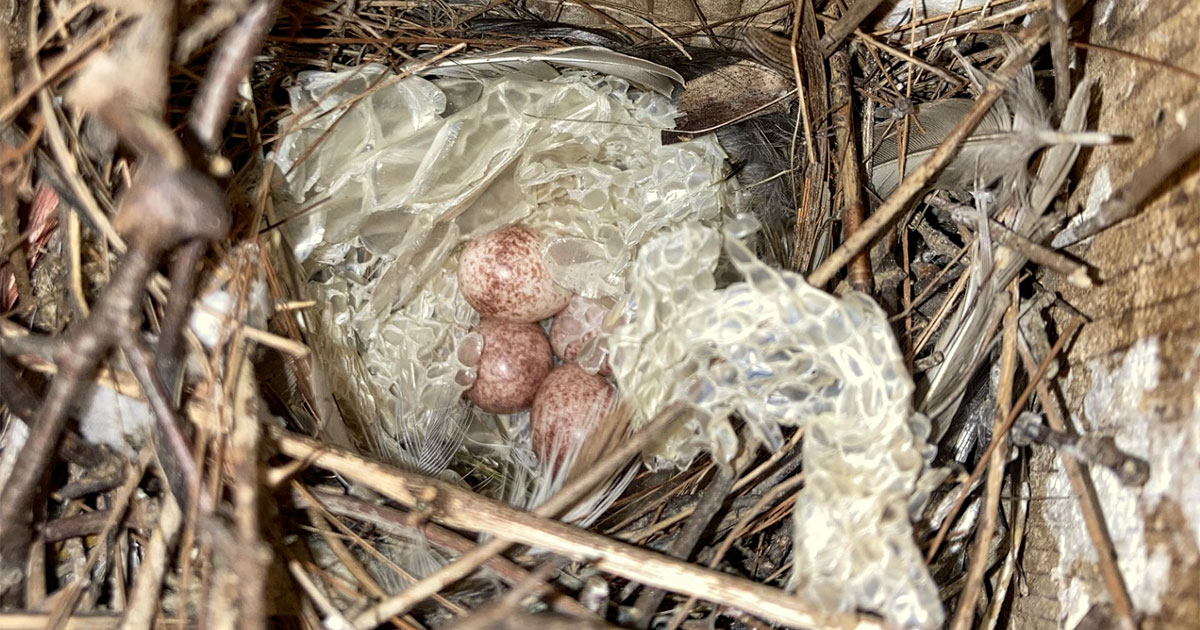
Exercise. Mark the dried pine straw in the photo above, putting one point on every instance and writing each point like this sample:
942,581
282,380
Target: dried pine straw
128,189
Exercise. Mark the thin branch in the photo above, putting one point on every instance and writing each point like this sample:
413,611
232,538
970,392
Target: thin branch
1073,271
847,24
738,530
997,437
986,528
684,544
849,167
77,356
1060,52
229,66
391,519
913,184
456,507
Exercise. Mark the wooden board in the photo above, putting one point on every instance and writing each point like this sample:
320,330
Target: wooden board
1134,372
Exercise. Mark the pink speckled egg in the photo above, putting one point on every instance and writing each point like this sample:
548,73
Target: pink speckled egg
503,276
575,325
566,410
513,363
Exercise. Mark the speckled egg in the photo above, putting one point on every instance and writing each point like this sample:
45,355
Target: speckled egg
575,325
504,277
566,410
514,361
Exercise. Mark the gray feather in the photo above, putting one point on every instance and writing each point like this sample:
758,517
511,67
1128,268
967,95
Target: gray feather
646,74
998,150
933,123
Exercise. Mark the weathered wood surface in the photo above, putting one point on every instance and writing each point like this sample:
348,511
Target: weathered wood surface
1134,372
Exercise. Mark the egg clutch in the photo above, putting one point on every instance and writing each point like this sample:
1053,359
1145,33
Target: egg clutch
503,276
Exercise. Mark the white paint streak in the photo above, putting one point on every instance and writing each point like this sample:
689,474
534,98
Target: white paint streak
1120,402
1106,12
1100,191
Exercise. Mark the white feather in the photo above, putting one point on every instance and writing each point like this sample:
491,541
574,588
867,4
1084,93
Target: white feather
646,74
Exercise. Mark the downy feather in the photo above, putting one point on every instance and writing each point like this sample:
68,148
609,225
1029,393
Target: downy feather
423,439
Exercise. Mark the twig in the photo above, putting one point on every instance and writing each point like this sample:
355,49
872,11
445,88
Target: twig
703,19
39,621
170,331
12,168
22,403
229,65
563,500
1089,504
1089,449
321,518
91,523
144,603
1059,53
847,24
1008,16
738,529
498,614
812,213
788,449
936,321
587,6
252,557
77,357
68,599
914,183
167,205
999,457
1075,272
1020,502
64,159
935,283
685,543
854,210
456,507
175,458
162,209
873,43
387,518
334,618
997,437
1143,182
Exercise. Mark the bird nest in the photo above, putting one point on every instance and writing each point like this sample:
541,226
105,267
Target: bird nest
369,314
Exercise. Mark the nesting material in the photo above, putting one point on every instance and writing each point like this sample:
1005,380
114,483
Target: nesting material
383,178
778,352
407,172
